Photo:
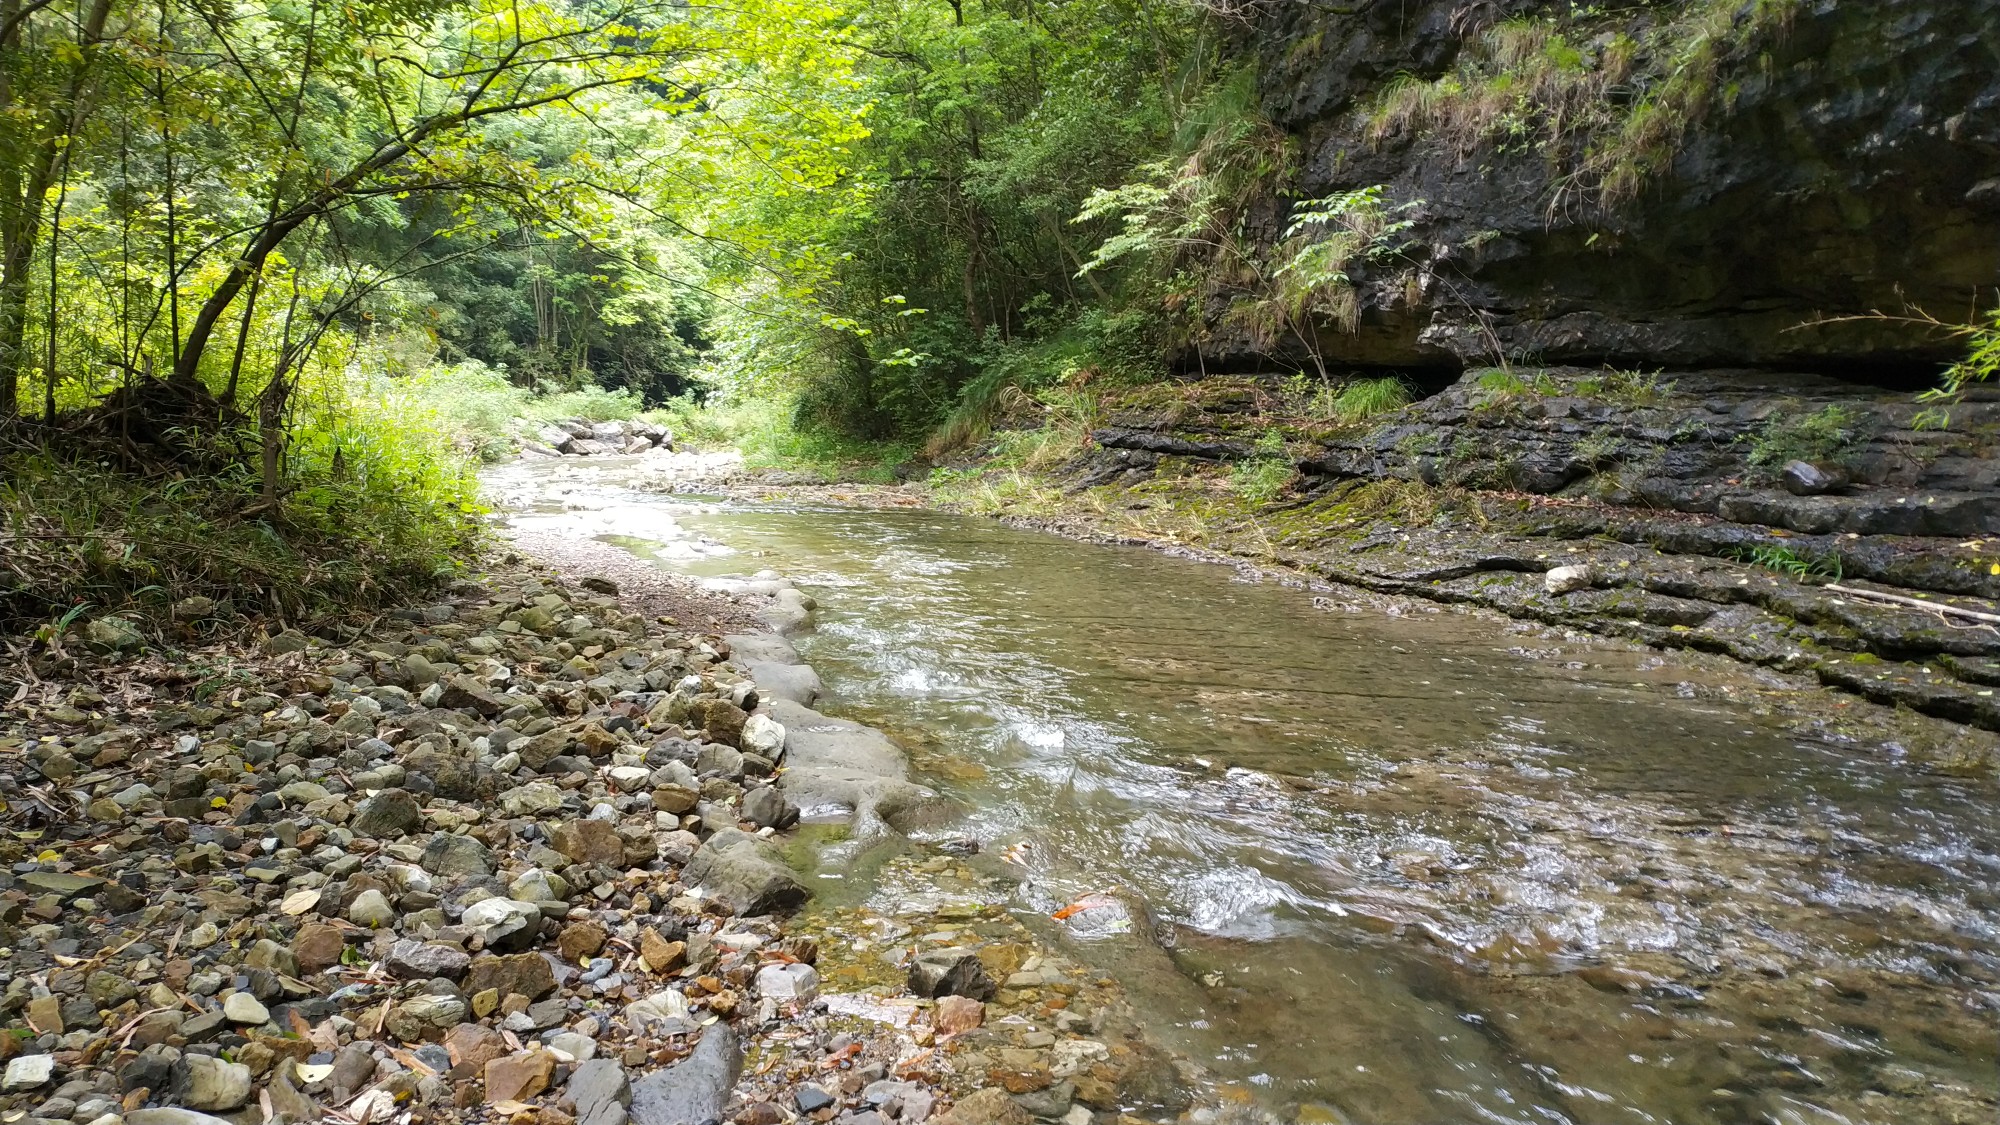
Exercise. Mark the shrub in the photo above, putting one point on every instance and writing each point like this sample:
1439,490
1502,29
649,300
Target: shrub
1828,434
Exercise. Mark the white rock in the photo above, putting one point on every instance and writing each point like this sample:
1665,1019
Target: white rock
763,736
27,1072
660,1006
1565,579
241,1007
631,779
1069,1056
788,984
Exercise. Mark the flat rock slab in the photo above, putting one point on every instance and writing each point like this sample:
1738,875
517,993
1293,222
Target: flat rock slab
761,648
57,883
793,683
813,740
694,1090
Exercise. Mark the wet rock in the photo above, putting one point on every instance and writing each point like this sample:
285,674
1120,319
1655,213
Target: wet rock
955,1015
811,1099
696,1089
745,874
954,971
990,1106
207,1083
788,984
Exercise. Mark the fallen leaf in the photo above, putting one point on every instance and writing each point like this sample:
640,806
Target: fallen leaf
300,901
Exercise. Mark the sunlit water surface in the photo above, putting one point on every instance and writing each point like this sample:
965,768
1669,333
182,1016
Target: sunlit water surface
1411,868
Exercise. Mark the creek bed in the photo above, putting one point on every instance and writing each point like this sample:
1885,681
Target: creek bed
1384,866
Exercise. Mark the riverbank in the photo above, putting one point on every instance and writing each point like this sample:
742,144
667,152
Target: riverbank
513,854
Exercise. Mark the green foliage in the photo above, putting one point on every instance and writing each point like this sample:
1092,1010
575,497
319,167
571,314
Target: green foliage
1260,477
1366,398
1980,365
1627,388
1608,110
1501,385
1826,435
380,511
771,435
1784,560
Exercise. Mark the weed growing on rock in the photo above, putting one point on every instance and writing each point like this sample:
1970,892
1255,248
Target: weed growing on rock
1260,478
1366,398
1828,434
1626,388
1611,110
1784,560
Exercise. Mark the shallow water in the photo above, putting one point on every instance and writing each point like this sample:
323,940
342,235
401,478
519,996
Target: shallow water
1408,868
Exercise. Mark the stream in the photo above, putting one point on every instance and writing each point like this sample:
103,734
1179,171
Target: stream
1392,866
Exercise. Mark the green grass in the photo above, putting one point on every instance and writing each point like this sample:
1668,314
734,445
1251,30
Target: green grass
1366,398
1266,473
81,534
1627,388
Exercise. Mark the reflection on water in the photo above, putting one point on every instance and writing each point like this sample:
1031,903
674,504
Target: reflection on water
1416,868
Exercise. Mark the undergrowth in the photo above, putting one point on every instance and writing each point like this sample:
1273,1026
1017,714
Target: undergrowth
82,537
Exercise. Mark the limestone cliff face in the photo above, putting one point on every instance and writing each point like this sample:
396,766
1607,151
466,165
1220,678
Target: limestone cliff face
1846,159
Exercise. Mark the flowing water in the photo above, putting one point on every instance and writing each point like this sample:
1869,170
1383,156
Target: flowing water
1417,867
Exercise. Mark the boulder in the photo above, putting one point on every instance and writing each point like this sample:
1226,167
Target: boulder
600,1091
745,874
386,815
696,1089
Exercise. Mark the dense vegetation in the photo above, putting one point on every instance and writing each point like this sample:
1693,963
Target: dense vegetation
275,263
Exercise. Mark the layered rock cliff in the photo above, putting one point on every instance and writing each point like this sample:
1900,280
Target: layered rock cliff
1690,183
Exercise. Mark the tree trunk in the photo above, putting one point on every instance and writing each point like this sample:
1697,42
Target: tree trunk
24,189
